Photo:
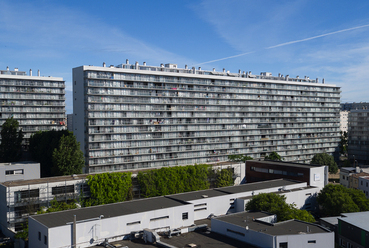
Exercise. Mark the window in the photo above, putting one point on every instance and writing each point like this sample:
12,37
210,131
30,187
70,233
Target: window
200,209
312,241
283,245
62,189
45,239
133,223
160,218
39,236
14,172
361,182
201,204
185,216
235,232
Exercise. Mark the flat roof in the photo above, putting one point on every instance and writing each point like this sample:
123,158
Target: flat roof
358,219
44,180
281,191
196,195
55,219
289,227
289,164
257,186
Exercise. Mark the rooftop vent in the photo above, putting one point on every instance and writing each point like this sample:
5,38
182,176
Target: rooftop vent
127,61
204,196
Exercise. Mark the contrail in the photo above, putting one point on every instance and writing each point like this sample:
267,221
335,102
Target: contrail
288,43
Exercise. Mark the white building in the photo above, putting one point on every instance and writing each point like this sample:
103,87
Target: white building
19,171
114,221
139,116
19,199
36,102
364,185
344,120
259,229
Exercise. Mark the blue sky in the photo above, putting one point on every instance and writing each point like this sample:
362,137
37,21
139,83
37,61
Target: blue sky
273,36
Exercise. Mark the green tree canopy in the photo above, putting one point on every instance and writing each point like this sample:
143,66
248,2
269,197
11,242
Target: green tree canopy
325,159
42,147
335,199
67,158
274,156
343,142
224,178
11,141
276,204
239,158
109,188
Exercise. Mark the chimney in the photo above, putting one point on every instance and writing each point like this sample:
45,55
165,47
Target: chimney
127,61
186,67
223,69
7,68
38,73
144,63
239,71
162,65
199,68
30,72
317,80
323,81
279,74
104,65
213,69
136,65
193,70
287,77
15,69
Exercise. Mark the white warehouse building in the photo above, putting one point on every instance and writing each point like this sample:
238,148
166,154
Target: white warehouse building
139,116
115,221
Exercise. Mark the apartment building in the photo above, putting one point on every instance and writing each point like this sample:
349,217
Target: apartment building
139,116
36,102
358,138
19,199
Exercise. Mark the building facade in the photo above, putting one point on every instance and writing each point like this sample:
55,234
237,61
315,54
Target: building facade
19,171
358,138
37,103
139,116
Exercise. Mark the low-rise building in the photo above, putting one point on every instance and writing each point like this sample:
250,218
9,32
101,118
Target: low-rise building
19,171
19,199
260,229
353,230
115,221
313,175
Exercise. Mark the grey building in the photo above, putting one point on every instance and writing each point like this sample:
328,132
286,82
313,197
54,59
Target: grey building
19,171
358,138
38,103
139,116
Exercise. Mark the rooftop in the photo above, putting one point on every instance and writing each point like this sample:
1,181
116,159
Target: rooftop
289,164
358,219
108,211
44,180
173,68
197,195
257,186
289,227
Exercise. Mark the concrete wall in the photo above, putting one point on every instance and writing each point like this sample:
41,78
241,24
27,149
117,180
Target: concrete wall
215,205
319,176
325,240
33,237
79,107
30,171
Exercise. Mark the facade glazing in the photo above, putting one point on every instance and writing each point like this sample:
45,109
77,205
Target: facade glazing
138,116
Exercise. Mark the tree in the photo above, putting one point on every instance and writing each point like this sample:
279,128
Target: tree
335,199
274,156
325,159
67,158
276,204
239,158
11,141
43,145
343,143
224,178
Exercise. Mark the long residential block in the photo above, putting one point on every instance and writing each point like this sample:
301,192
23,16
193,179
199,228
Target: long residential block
139,116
